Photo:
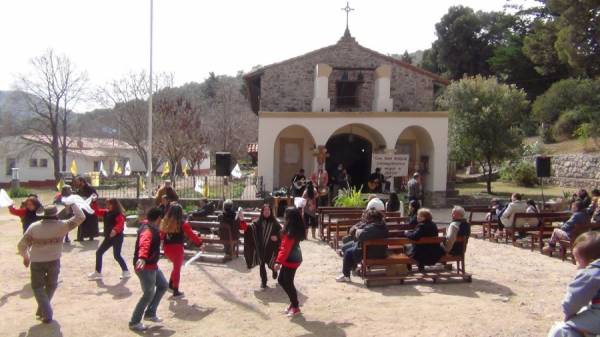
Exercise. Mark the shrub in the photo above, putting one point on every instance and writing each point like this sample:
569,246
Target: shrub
19,192
350,198
524,174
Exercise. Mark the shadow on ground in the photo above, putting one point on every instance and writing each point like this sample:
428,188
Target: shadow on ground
318,328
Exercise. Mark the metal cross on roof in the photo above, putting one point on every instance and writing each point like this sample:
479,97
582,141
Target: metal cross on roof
347,9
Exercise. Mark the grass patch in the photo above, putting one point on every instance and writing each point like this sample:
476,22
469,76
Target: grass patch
570,146
506,189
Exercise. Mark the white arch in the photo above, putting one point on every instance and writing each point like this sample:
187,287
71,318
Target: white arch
294,131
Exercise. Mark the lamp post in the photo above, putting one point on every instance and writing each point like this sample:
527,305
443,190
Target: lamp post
149,152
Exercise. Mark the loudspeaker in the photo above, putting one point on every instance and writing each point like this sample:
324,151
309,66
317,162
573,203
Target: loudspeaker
223,164
542,166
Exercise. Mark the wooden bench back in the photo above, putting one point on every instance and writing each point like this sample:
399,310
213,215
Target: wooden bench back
542,217
477,210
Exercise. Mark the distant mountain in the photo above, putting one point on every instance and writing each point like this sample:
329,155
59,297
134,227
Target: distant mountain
14,105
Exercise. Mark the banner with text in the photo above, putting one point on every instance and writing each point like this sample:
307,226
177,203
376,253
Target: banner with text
391,165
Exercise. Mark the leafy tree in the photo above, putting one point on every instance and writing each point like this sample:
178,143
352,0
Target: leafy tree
483,119
406,57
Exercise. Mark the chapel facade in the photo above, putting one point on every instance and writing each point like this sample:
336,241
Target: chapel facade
350,102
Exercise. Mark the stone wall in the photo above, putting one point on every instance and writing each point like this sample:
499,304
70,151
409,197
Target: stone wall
575,170
289,85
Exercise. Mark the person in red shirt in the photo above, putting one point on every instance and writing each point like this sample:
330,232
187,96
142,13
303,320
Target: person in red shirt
173,228
289,257
153,282
27,211
114,225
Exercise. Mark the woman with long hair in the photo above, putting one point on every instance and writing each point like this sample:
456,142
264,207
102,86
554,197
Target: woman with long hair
27,212
89,228
289,257
393,205
173,228
261,243
114,225
310,208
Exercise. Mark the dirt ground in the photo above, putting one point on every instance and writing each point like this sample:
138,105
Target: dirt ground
515,292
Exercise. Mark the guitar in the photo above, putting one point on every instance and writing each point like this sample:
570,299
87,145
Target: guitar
373,184
298,184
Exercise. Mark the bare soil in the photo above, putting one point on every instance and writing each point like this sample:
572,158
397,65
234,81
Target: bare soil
515,292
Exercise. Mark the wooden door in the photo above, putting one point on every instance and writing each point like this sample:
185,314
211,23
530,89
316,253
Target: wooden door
291,157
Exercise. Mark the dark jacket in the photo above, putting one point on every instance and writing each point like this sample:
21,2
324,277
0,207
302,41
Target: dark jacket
578,218
372,231
228,218
428,254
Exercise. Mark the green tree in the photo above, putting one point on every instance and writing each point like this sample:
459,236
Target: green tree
406,57
484,116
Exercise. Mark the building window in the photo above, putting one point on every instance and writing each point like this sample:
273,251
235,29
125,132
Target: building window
43,162
96,166
33,162
10,164
347,93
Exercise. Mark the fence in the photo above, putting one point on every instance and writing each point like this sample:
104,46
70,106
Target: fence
211,187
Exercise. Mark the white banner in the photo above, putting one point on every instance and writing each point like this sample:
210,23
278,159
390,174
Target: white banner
5,200
391,165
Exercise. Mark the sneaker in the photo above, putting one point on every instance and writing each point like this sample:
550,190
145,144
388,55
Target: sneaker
287,310
138,327
177,294
294,312
343,278
154,319
95,276
126,274
263,287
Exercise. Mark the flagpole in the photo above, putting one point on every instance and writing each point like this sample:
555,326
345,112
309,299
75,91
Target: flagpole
149,154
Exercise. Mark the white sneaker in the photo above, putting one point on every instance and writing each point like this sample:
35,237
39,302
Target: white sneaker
138,327
126,274
154,319
95,276
343,278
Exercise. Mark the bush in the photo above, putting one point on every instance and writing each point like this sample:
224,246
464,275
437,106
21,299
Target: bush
19,192
522,174
350,198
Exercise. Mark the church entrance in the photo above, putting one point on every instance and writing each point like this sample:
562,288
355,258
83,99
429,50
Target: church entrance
354,152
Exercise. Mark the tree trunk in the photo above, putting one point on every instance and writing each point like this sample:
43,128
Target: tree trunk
489,178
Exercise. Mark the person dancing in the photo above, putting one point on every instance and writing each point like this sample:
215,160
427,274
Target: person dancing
172,230
261,243
27,211
114,225
289,257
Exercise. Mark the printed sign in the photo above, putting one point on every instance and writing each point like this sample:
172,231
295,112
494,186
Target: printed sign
391,165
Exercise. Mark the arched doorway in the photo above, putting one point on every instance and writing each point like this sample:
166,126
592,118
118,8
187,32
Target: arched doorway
416,142
293,151
352,151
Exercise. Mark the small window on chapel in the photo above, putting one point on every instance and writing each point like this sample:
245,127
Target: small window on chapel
33,162
347,93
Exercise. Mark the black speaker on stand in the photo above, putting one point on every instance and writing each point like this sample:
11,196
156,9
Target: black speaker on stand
223,164
543,168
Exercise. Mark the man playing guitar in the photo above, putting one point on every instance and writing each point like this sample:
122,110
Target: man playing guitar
376,180
298,184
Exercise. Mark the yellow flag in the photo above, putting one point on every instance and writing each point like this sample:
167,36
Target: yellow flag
186,169
117,168
73,168
206,189
166,169
60,185
142,184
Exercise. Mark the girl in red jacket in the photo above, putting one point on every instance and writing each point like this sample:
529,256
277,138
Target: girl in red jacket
27,211
290,256
172,231
114,225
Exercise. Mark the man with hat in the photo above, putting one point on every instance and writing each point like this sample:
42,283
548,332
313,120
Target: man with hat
414,187
41,248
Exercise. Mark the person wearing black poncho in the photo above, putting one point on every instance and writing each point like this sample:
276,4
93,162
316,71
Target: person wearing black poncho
89,228
261,243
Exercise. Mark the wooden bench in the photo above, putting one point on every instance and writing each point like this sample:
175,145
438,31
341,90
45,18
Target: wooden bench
539,225
214,227
485,224
566,246
400,258
341,228
323,212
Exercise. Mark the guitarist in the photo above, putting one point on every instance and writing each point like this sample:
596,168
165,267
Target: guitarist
376,180
298,183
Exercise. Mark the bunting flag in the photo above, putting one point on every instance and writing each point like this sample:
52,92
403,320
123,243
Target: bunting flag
166,169
102,170
84,204
143,183
117,168
236,172
60,185
201,187
186,169
73,168
127,168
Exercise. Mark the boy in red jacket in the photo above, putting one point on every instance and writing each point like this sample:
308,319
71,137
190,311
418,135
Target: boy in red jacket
290,257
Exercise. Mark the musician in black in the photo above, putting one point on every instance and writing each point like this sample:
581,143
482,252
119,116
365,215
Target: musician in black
298,183
376,181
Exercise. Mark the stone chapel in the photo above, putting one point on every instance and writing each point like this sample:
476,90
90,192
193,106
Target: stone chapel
353,102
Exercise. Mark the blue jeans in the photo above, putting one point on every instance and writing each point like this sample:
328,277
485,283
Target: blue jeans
154,285
349,262
44,280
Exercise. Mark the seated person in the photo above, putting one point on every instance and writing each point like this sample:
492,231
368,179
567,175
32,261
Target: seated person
496,212
517,205
204,209
230,226
459,227
579,217
594,209
375,229
583,292
413,208
426,254
350,240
